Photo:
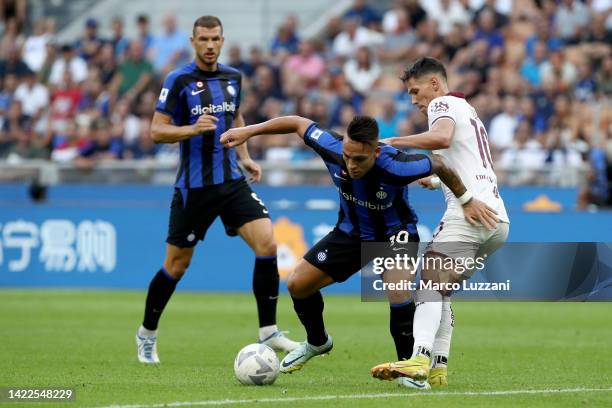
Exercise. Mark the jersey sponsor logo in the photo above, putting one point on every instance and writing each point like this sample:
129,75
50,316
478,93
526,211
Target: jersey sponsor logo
366,204
231,90
223,107
440,106
316,134
163,95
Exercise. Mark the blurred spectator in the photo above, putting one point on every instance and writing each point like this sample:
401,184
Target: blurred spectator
106,63
103,146
143,147
90,42
559,70
486,31
571,18
235,60
134,73
389,120
286,38
368,16
345,96
399,43
68,62
447,13
8,84
118,40
503,126
544,34
390,17
13,64
354,36
11,38
532,66
585,84
306,66
34,97
604,77
64,102
523,155
171,48
144,33
34,50
597,191
362,71
598,32
125,123
499,13
13,124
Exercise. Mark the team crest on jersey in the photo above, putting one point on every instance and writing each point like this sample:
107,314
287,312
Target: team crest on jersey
440,106
321,256
231,90
381,195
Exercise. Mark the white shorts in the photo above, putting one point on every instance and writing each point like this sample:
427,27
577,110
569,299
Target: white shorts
457,238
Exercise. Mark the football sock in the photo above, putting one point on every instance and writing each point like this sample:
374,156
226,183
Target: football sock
265,289
267,331
400,325
441,347
161,289
145,332
426,322
310,312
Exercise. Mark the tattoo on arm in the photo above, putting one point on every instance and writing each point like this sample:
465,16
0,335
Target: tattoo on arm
448,176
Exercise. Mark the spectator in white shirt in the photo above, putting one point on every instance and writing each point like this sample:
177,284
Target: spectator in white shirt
68,60
354,36
503,125
33,96
362,71
35,47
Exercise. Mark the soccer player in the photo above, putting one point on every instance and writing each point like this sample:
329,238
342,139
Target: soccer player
197,103
371,179
457,134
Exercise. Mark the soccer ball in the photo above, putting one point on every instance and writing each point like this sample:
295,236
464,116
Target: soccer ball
256,364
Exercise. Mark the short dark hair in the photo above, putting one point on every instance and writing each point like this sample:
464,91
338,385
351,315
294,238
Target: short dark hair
422,66
208,22
363,129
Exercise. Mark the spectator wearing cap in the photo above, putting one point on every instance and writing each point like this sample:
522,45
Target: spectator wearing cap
68,61
171,48
89,44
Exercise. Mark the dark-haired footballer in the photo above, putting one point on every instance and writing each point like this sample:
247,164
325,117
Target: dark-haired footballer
372,180
197,103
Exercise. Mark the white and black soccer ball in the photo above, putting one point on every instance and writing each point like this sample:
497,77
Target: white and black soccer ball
256,364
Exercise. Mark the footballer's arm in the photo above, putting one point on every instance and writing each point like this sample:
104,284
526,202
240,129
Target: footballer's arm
164,131
439,137
282,125
243,152
474,210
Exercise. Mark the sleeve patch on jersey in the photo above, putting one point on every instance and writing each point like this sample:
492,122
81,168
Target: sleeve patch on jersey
163,95
440,106
315,134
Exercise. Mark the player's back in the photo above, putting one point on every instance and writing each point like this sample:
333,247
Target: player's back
468,154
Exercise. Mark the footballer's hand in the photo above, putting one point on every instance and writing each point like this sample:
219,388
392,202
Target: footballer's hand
253,168
235,137
205,123
475,212
425,182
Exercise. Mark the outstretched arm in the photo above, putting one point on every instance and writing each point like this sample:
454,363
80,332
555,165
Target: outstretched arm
285,124
474,210
439,137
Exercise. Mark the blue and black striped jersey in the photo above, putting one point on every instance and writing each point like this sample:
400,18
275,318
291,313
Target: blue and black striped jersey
189,92
375,206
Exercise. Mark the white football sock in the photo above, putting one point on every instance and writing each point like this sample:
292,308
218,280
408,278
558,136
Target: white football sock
142,332
267,331
441,347
426,322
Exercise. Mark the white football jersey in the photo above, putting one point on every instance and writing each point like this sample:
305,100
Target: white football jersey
468,154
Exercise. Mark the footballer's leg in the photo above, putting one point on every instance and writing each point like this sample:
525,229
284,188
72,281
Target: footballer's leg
258,234
304,285
160,290
438,375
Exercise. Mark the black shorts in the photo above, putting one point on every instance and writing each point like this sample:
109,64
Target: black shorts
339,254
194,210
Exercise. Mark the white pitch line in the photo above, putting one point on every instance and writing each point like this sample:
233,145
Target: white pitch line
361,396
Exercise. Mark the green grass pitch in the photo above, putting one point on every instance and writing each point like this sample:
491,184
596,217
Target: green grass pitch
85,340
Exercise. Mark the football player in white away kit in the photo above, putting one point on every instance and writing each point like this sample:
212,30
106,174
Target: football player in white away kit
455,132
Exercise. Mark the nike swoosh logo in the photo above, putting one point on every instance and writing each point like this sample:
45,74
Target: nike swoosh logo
414,383
337,176
197,92
288,363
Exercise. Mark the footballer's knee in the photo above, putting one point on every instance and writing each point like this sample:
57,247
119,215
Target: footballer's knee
266,247
177,266
297,287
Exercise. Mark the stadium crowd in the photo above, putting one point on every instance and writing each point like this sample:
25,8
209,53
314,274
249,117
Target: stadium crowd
539,73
